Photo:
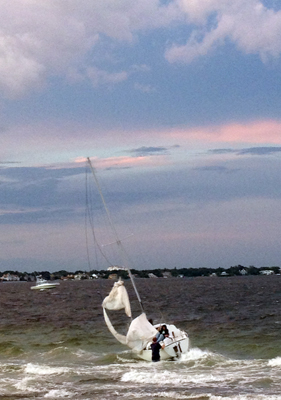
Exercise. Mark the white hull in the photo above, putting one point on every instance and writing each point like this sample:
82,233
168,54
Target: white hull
168,353
175,345
44,286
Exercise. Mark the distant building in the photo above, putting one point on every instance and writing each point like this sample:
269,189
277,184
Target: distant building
267,272
81,276
243,272
113,276
9,277
151,275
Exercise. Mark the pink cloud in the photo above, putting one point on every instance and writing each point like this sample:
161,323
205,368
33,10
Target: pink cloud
125,161
257,132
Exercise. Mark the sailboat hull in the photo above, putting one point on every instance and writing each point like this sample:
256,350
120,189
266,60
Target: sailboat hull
174,350
175,345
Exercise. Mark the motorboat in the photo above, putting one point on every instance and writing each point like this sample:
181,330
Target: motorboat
43,284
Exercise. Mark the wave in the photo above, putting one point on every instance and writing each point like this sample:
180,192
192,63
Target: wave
275,362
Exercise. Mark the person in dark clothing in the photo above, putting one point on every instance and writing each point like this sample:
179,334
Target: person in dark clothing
155,350
163,332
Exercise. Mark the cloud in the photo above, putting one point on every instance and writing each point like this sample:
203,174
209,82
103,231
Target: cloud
100,77
80,42
265,131
144,88
9,162
68,39
215,168
259,151
252,27
139,159
144,150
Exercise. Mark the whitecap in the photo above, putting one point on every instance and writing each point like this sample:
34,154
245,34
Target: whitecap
165,395
37,369
56,394
23,385
160,377
247,397
195,354
275,362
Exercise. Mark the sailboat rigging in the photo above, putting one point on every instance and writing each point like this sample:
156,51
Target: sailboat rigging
141,331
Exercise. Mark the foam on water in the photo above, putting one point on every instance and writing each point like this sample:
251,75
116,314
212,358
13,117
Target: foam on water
161,377
165,395
195,354
24,385
58,393
37,369
76,358
246,397
275,362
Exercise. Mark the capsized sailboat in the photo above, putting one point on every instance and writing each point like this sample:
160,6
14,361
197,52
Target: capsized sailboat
141,331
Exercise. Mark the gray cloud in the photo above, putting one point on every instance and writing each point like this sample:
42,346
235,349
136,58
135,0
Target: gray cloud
257,151
37,193
216,168
260,151
151,150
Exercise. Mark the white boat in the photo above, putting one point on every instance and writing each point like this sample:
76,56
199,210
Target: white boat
140,332
43,284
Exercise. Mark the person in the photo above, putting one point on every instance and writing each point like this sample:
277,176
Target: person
163,332
159,335
155,350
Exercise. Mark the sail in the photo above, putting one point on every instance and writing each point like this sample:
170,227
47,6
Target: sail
140,333
118,336
118,298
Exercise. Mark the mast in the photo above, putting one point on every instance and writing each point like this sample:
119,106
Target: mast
117,240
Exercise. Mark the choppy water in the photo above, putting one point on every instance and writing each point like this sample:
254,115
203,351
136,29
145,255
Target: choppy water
54,344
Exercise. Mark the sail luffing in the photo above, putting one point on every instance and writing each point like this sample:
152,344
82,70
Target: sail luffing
140,330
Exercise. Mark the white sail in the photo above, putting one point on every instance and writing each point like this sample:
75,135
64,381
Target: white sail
118,298
140,333
121,338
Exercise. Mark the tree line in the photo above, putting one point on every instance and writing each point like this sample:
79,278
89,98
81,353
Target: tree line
237,270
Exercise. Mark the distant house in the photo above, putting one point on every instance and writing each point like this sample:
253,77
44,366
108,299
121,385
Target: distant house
113,276
224,273
167,274
243,272
69,276
151,275
10,277
80,276
213,274
267,272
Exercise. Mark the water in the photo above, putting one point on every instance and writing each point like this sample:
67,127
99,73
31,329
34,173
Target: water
55,345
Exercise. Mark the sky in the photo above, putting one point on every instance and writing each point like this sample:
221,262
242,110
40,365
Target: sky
177,103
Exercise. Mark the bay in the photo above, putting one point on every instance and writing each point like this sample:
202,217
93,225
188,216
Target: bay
54,344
